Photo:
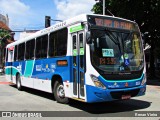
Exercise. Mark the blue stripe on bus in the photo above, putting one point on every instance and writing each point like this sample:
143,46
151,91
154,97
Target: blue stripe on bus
42,68
118,84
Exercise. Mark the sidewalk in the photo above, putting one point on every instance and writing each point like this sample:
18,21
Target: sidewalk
2,75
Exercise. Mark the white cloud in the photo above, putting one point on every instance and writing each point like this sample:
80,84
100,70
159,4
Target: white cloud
70,8
16,10
18,14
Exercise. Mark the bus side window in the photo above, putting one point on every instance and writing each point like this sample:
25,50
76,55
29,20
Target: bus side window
44,46
15,53
30,45
41,47
21,48
6,55
27,50
62,42
58,43
52,42
38,48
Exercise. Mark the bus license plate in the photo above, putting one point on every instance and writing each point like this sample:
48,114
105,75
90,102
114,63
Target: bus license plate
125,97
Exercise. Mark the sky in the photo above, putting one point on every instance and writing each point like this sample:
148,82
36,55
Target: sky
30,14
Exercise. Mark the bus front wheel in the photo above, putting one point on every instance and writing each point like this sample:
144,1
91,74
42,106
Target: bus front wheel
59,93
18,82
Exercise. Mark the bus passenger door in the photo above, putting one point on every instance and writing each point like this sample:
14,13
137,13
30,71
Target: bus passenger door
10,63
78,77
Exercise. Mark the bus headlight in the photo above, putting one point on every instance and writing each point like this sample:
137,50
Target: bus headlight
96,82
144,80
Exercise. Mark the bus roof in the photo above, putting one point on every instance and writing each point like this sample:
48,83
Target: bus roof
60,25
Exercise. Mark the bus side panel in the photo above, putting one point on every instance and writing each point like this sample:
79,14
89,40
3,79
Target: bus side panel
45,69
17,68
27,74
8,70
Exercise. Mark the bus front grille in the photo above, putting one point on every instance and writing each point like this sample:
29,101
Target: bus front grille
119,94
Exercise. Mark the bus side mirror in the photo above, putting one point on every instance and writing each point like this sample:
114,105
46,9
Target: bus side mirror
88,38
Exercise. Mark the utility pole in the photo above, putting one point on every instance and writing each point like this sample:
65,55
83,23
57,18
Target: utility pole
103,7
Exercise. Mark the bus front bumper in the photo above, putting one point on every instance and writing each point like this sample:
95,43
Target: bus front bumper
95,94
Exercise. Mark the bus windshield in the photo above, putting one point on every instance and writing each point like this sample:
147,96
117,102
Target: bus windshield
116,51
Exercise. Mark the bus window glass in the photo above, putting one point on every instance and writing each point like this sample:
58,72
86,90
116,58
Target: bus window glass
29,54
6,55
21,51
15,53
62,42
116,51
52,40
58,43
38,48
44,46
41,47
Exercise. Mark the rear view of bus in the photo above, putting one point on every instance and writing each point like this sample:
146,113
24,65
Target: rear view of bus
116,60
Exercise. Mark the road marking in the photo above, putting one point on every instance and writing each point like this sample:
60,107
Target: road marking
5,83
154,87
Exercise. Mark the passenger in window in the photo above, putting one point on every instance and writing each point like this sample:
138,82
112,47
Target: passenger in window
136,49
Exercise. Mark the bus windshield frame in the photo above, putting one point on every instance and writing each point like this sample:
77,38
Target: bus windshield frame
123,57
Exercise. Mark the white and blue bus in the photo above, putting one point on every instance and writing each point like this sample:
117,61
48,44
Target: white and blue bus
90,58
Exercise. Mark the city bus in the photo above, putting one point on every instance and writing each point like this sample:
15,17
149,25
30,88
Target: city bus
90,58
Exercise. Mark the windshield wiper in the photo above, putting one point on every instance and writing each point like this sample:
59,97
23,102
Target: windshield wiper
112,37
130,33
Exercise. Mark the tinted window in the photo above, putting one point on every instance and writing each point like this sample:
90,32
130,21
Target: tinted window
58,43
15,53
30,45
41,46
6,55
21,49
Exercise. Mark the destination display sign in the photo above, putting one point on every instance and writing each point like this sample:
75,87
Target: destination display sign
112,23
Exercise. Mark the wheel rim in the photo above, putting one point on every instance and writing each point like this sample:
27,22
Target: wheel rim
60,91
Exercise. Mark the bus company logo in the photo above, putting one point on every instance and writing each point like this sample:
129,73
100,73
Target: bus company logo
115,85
38,67
53,66
126,84
46,65
19,67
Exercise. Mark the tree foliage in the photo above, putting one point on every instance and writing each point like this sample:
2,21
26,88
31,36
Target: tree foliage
4,34
145,12
4,38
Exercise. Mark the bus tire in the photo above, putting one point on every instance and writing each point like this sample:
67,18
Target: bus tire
18,82
59,93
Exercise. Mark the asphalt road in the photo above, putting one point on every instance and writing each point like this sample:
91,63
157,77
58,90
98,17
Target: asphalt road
33,100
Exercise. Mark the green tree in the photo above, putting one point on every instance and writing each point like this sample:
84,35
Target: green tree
146,13
4,37
4,34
